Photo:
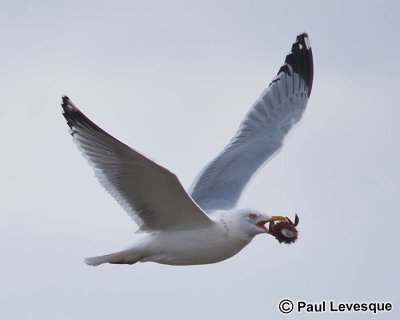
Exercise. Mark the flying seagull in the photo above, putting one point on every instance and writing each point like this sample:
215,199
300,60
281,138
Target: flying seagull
202,226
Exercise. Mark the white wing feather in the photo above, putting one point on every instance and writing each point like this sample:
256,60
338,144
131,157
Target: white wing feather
261,133
152,195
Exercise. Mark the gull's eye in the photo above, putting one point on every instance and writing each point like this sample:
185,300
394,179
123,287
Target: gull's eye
252,216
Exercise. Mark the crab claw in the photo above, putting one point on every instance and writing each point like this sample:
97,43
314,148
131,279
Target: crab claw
296,220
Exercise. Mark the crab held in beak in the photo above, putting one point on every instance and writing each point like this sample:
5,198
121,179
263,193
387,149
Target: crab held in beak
284,231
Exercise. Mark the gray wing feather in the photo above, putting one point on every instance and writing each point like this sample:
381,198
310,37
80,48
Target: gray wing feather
261,133
152,195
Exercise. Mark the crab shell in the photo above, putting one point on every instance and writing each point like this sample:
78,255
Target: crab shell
285,231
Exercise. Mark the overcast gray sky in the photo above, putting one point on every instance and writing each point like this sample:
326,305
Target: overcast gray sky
173,79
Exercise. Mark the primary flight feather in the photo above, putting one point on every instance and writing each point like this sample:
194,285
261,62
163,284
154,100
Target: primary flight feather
203,227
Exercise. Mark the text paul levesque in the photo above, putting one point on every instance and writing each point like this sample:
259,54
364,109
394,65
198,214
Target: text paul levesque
331,306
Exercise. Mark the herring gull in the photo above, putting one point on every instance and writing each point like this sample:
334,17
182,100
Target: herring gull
200,226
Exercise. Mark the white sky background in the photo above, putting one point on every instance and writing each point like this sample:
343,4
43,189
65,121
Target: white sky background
173,80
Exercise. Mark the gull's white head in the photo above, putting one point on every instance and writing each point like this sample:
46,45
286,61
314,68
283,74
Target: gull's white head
249,223
253,222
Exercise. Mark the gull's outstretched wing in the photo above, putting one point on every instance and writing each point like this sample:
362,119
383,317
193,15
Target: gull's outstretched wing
261,133
152,195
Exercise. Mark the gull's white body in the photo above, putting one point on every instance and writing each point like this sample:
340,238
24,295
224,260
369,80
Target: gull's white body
212,244
203,227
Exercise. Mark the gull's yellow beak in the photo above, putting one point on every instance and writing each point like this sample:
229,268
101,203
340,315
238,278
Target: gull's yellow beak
276,218
261,224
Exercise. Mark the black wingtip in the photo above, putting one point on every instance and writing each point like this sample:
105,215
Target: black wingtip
70,112
76,119
301,60
65,99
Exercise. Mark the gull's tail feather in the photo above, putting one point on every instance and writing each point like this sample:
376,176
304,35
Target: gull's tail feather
122,257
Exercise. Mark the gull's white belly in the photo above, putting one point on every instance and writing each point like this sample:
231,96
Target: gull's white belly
201,246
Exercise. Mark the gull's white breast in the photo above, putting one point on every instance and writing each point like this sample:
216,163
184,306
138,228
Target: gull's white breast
199,246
